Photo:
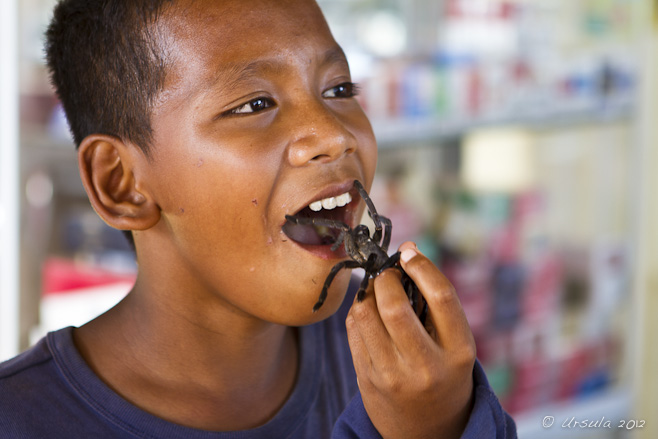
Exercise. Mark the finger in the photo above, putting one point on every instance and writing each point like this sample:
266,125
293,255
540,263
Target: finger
407,244
373,333
445,309
360,355
397,315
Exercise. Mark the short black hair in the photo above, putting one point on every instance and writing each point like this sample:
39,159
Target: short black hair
107,66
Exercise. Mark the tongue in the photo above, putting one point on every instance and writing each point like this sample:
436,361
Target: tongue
308,235
302,234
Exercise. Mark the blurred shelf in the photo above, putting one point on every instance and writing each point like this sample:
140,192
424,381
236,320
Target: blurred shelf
612,405
58,155
391,133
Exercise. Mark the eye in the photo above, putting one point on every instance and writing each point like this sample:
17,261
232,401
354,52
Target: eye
344,90
253,106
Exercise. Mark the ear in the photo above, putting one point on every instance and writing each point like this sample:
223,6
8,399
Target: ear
108,172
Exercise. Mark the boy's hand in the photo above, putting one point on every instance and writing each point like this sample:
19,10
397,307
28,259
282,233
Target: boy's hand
416,382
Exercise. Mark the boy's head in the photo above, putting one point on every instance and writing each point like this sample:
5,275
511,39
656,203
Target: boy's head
246,110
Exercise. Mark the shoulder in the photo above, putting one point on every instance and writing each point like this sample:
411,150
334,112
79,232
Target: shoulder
33,371
30,386
25,363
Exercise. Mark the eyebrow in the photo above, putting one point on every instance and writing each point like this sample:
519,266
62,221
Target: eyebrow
334,55
237,73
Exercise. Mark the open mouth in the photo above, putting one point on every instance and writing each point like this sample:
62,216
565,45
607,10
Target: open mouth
320,223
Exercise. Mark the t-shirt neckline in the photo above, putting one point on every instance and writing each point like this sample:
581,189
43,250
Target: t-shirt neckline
130,418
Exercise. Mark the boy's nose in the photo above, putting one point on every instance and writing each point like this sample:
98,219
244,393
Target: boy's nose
320,136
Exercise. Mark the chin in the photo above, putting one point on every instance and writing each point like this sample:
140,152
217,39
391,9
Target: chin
304,314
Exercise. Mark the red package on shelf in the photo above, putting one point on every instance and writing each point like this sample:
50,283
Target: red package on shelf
64,275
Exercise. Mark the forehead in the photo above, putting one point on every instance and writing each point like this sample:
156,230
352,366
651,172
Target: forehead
207,37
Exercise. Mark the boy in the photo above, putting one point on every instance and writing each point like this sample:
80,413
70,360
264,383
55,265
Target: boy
200,125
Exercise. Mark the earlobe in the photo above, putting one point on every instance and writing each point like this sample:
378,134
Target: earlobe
108,172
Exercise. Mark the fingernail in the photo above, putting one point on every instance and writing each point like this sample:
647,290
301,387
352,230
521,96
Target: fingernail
407,254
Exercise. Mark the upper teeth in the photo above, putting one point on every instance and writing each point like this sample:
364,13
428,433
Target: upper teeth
331,202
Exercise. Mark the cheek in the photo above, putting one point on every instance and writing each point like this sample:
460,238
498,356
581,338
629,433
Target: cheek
367,150
212,202
370,160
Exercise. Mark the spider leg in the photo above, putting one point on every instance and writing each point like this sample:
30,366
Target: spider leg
381,222
332,224
332,274
388,228
371,271
361,293
416,299
390,263
339,240
371,207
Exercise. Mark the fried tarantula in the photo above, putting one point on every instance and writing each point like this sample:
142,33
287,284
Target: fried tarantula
369,253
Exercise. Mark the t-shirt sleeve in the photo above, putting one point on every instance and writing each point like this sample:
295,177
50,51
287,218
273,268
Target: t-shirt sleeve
354,422
487,420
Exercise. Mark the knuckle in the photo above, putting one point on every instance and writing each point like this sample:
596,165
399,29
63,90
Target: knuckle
428,378
471,352
418,264
388,380
466,355
365,383
392,273
443,295
386,278
394,314
349,322
360,312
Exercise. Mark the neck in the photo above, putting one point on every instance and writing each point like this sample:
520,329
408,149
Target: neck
198,363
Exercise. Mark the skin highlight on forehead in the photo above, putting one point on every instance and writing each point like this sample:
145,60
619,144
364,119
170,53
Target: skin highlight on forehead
231,26
236,74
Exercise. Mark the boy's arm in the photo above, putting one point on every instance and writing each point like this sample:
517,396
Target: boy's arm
415,381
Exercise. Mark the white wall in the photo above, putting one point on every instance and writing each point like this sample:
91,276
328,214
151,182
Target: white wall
646,281
9,178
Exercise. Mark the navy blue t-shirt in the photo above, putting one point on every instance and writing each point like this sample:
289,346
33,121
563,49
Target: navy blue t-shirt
50,392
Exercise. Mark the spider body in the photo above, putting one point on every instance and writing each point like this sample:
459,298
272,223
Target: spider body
361,247
367,252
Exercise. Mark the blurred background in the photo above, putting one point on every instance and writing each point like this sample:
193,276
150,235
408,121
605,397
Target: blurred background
518,146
